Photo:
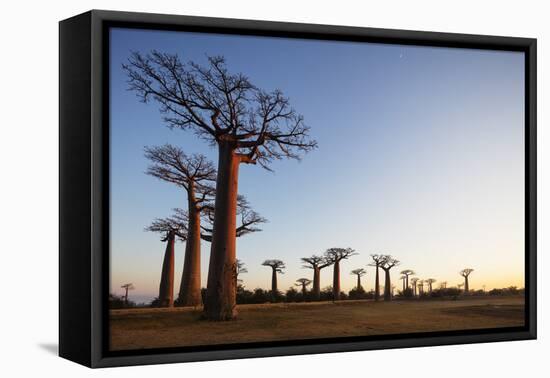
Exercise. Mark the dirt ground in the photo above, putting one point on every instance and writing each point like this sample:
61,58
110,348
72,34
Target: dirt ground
157,328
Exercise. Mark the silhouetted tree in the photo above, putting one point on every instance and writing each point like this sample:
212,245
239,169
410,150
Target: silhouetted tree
277,266
402,279
303,283
126,287
388,262
376,262
335,255
359,273
465,273
247,124
430,281
407,273
414,281
443,285
196,175
421,287
316,263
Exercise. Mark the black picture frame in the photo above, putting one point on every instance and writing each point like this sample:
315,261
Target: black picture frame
84,187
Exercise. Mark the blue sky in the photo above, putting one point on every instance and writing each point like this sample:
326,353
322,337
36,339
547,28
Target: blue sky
420,156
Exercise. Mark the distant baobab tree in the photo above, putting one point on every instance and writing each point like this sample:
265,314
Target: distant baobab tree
460,285
126,287
277,266
392,290
443,285
403,278
248,125
430,281
359,273
420,287
303,283
376,262
407,273
196,175
388,262
316,263
168,229
335,255
241,269
414,281
465,273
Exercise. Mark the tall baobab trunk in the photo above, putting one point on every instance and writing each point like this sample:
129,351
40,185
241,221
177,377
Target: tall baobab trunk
387,286
316,283
336,281
166,289
190,287
359,282
274,290
377,284
466,286
404,285
414,288
220,301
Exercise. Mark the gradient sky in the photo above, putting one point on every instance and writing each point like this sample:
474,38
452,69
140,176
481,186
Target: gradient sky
420,156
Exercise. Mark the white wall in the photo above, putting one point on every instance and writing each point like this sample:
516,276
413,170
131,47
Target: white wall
28,169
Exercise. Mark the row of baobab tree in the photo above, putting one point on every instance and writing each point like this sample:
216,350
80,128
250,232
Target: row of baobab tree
247,125
333,256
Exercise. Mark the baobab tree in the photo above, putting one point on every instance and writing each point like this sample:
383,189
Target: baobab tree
359,273
316,263
277,266
388,262
126,287
414,281
443,285
196,175
376,262
169,229
334,256
249,125
465,273
420,287
403,278
303,283
430,281
407,273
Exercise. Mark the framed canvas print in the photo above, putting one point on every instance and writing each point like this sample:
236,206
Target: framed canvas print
234,188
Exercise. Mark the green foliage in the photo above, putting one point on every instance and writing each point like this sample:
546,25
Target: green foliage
117,302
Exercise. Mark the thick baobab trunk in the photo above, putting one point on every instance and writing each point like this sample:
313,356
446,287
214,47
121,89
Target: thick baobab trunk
220,301
414,289
403,286
304,289
190,287
377,285
387,286
316,283
274,290
166,289
407,281
336,281
358,282
466,286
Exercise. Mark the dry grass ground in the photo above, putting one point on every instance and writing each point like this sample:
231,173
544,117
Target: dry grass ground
156,328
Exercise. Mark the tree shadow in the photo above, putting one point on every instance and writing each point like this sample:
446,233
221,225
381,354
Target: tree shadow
52,348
